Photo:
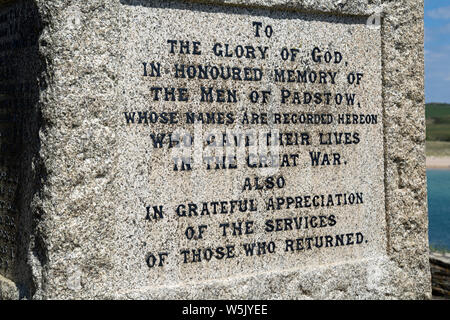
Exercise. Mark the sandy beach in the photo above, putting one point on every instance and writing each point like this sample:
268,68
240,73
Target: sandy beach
438,162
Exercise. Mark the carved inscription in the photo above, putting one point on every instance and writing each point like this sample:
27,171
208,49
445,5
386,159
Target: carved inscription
264,143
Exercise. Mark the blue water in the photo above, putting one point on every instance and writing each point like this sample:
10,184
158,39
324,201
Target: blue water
439,207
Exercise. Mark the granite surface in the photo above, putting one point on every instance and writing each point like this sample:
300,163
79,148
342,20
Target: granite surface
105,213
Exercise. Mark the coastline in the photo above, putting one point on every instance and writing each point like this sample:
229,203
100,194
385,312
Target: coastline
440,275
434,162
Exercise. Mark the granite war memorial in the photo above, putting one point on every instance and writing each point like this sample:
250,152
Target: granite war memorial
222,149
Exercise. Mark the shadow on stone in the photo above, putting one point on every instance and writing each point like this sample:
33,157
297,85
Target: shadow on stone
20,86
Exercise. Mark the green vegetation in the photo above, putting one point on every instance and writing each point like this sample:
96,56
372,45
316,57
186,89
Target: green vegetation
437,110
439,248
438,121
438,148
438,129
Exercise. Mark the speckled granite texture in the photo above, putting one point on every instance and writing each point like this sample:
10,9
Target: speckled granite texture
89,182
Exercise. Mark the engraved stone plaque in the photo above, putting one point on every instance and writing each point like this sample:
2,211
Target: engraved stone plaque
239,149
254,146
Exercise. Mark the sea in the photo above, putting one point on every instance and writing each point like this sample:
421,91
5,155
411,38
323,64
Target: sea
439,208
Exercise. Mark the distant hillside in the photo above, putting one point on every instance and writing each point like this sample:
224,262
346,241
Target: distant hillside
438,121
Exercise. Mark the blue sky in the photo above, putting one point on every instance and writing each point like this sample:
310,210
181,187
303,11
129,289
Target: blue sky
437,51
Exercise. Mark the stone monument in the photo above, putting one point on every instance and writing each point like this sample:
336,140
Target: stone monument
222,149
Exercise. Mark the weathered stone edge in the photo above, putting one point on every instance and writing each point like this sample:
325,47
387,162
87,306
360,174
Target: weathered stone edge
345,7
404,132
351,7
8,289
